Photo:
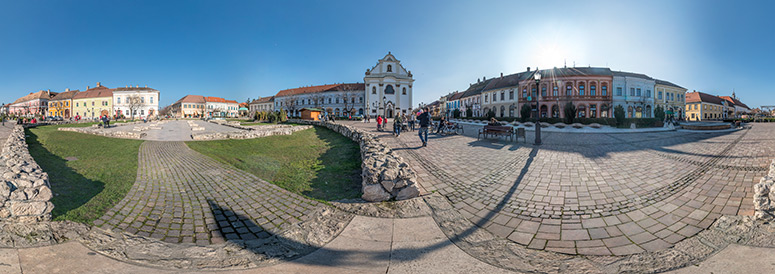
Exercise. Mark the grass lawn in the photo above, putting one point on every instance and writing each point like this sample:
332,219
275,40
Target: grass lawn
317,162
85,188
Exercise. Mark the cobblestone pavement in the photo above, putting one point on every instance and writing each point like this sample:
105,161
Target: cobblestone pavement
181,196
594,194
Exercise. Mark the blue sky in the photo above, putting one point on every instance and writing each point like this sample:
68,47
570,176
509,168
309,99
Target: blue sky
241,49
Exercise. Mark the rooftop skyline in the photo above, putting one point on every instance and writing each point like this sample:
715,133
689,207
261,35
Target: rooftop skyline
250,49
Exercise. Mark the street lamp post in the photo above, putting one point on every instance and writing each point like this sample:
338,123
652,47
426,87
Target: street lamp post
537,77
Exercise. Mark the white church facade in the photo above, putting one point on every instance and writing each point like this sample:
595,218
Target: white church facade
386,90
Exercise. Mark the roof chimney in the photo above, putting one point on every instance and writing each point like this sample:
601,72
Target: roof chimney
501,74
67,89
484,78
137,86
87,87
98,84
528,68
478,80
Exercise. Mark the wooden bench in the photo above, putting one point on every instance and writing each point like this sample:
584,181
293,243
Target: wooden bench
496,131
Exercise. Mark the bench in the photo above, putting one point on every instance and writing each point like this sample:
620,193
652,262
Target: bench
496,131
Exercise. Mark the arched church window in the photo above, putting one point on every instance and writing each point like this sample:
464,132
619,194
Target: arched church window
390,68
403,92
373,90
389,90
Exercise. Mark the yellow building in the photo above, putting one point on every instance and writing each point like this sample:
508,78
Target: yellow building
190,106
62,104
702,107
671,97
93,102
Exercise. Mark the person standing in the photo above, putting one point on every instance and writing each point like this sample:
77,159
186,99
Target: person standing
425,122
379,122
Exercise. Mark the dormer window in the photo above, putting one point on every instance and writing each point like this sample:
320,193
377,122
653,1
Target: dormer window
390,68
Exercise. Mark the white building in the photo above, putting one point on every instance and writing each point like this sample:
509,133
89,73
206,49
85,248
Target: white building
635,93
387,91
261,104
143,101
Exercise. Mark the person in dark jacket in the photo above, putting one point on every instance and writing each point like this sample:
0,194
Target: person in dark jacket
425,122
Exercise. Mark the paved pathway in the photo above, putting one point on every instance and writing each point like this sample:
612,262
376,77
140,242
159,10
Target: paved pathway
181,196
5,130
367,245
594,194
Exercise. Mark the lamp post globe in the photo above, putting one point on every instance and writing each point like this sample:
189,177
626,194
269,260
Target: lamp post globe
537,77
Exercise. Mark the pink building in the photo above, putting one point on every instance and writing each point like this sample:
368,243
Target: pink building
35,103
589,89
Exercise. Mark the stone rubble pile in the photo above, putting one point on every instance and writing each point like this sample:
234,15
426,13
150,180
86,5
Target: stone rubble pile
194,126
764,196
248,134
25,192
385,174
234,124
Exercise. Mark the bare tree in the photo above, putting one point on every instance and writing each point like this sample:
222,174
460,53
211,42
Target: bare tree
134,103
317,99
349,101
290,104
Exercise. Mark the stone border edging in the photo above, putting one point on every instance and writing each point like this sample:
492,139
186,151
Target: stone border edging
385,174
25,192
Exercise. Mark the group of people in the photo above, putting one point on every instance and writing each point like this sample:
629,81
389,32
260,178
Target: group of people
423,118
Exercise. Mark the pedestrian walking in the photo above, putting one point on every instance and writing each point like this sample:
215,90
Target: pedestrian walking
425,122
397,125
379,122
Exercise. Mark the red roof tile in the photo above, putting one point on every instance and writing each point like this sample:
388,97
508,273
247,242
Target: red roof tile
94,92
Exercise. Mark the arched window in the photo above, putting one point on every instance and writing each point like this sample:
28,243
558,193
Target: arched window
629,112
373,90
534,92
592,90
390,68
555,111
503,111
543,90
568,90
581,89
389,90
604,90
592,110
403,92
582,110
555,91
524,92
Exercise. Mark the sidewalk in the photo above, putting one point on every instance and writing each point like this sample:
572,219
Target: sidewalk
367,245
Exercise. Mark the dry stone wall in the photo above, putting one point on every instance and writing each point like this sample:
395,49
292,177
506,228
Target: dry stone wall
25,192
101,132
764,196
248,134
385,174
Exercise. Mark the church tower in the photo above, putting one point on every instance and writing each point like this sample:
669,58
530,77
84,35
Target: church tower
388,88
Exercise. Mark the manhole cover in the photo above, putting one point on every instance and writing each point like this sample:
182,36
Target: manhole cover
71,159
